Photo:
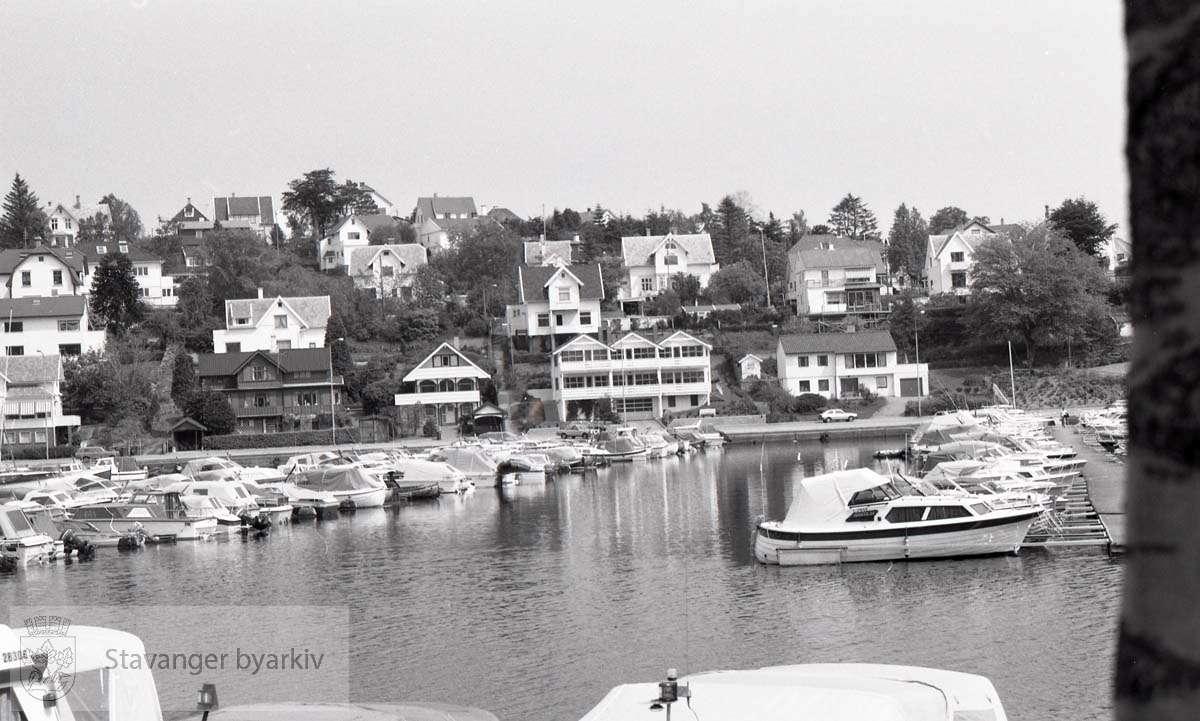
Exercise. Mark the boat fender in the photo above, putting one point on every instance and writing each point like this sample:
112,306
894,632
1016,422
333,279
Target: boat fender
347,505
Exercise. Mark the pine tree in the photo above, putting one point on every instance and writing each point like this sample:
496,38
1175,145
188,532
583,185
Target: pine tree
115,292
906,242
853,219
23,221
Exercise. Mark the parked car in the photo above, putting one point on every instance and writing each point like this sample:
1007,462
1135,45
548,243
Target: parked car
577,429
93,453
837,414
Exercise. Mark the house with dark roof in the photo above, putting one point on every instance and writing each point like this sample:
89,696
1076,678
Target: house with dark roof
256,214
843,365
57,325
437,207
444,386
273,324
555,303
832,278
154,288
503,215
274,392
32,401
64,220
653,261
354,231
42,272
188,221
949,257
387,271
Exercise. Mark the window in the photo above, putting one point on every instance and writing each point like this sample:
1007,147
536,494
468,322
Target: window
802,361
25,437
353,236
878,494
543,320
671,259
558,319
54,224
824,276
141,270
823,385
956,257
101,249
647,284
574,382
881,382
694,400
822,360
281,321
261,401
68,223
633,405
692,377
122,247
189,212
16,326
981,509
387,271
233,347
283,345
805,387
941,513
564,294
670,401
191,262
14,350
168,292
258,373
26,279
692,351
571,356
866,360
585,317
306,399
906,514
643,353
600,381
241,321
39,436
56,277
645,379
143,292
69,349
958,280
849,386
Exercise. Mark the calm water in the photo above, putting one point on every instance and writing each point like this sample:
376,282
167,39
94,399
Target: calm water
534,601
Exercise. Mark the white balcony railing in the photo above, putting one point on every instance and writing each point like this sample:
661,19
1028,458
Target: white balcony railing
419,399
656,389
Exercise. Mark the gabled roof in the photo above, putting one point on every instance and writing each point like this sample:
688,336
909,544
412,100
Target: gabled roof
537,251
410,255
370,221
95,251
294,360
450,225
261,206
80,211
59,306
841,256
533,279
13,257
578,340
636,250
632,338
860,342
438,205
503,215
681,336
182,216
938,243
31,369
749,356
480,373
313,311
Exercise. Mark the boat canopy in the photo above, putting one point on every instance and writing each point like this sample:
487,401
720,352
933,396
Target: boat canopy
472,460
333,479
953,469
211,468
822,500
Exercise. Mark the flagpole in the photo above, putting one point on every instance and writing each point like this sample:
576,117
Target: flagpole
1012,378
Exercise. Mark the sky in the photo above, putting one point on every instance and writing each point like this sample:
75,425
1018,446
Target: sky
999,108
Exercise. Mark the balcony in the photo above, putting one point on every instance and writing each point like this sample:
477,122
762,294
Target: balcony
843,283
655,389
272,411
632,364
437,397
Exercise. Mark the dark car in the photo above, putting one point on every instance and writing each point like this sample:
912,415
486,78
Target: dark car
92,453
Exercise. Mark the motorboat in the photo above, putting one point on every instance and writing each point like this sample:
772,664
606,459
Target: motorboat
479,463
160,515
306,461
423,472
521,461
236,499
119,469
350,485
843,691
47,520
58,500
304,502
699,433
622,444
859,515
216,468
969,473
21,544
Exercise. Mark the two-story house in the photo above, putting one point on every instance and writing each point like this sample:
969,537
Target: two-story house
273,324
837,279
274,392
154,288
642,378
387,271
440,233
189,222
352,231
64,220
444,385
256,214
32,402
443,208
652,261
42,271
57,325
839,365
555,303
950,255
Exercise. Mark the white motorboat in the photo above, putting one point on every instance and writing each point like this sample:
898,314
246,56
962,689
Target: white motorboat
350,484
21,544
859,515
238,499
479,463
160,515
622,444
420,471
216,468
306,461
842,691
699,434
119,469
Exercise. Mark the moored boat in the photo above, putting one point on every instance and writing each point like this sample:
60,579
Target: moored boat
21,544
352,486
160,515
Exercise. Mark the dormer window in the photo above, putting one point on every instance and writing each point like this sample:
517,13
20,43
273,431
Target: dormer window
123,247
189,212
101,249
241,321
671,259
564,294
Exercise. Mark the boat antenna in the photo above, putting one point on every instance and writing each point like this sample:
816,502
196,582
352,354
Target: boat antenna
762,479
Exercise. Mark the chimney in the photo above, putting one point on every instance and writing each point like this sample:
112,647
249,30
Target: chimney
1002,220
260,294
454,342
189,200
77,202
435,195
1047,212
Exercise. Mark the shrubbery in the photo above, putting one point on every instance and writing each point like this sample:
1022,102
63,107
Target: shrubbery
808,403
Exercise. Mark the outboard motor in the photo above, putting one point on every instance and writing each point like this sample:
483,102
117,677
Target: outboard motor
84,549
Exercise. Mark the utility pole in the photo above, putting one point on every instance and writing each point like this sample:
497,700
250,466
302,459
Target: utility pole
762,238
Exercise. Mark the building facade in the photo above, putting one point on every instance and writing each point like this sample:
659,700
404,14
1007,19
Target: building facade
445,386
154,288
387,271
274,392
273,324
33,413
555,304
64,221
642,378
652,261
949,257
352,231
253,213
837,279
841,365
47,326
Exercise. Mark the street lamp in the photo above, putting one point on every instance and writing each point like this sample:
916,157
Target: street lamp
332,405
49,413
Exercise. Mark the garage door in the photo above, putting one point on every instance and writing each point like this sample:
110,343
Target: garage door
910,387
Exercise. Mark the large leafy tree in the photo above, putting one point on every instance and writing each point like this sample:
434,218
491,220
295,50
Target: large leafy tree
907,242
1081,221
797,226
949,217
126,223
115,292
739,283
315,201
213,410
1038,288
23,219
852,218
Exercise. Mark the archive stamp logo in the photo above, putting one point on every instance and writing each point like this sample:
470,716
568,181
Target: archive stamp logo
49,653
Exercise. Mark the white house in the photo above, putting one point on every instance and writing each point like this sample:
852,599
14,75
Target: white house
838,365
555,303
154,288
256,214
352,231
64,220
48,326
1115,253
836,278
273,324
42,272
642,378
388,271
445,385
32,401
653,260
439,233
750,366
949,256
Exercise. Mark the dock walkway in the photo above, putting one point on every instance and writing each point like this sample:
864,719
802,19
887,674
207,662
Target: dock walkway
1105,478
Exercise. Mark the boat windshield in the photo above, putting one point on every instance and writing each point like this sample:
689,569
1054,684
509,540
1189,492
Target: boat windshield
13,523
904,488
878,494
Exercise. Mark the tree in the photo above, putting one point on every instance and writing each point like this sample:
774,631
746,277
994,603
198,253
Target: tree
797,226
339,350
853,219
396,232
1083,223
907,242
613,275
665,303
1037,288
126,224
315,201
115,292
212,410
738,283
687,286
820,229
732,228
946,219
183,379
23,220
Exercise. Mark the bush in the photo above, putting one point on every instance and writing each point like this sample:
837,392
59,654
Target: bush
34,452
278,440
430,429
477,327
809,403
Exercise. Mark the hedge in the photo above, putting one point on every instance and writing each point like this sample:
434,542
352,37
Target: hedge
279,440
34,452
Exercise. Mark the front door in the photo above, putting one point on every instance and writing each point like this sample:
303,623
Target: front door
849,387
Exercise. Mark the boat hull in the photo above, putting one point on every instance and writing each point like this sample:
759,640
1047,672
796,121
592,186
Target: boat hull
373,498
29,551
958,540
